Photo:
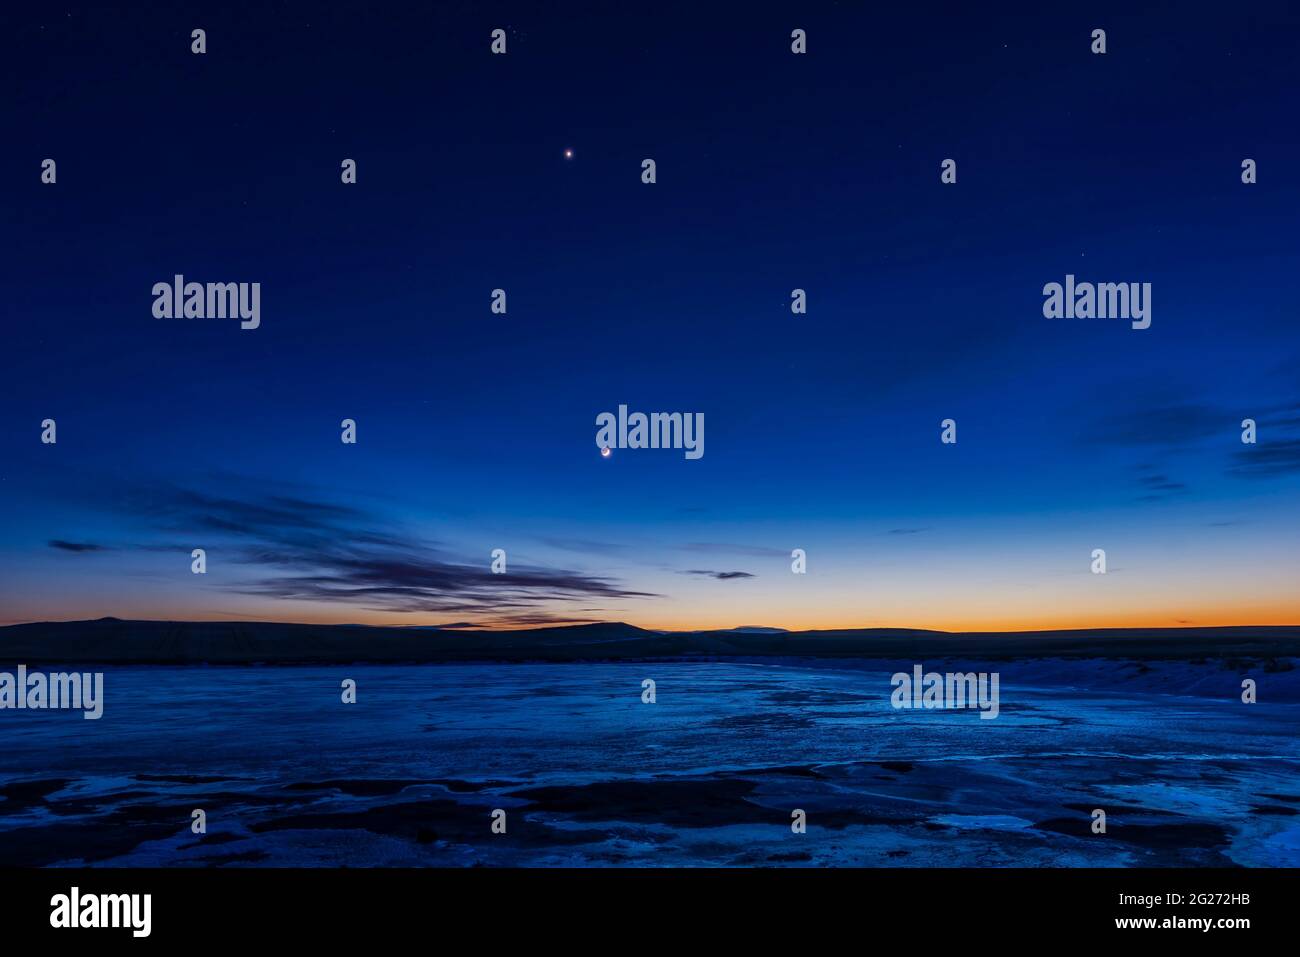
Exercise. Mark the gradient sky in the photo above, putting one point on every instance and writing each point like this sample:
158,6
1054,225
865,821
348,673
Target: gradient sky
775,171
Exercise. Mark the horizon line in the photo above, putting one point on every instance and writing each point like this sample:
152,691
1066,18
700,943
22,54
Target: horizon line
758,629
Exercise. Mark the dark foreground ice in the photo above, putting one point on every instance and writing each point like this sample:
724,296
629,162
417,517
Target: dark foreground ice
709,774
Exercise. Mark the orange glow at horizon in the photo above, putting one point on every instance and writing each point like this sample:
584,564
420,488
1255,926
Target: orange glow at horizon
1279,613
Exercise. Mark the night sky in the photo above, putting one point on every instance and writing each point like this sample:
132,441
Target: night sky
775,171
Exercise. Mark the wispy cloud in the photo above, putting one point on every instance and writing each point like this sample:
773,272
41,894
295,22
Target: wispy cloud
721,576
1266,460
76,546
1174,424
311,549
1157,486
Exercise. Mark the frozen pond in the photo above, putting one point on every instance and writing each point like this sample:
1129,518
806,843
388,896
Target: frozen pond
588,774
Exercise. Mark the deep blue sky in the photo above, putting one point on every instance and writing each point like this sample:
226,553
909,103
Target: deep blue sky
775,171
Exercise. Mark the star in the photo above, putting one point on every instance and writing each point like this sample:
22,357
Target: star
568,154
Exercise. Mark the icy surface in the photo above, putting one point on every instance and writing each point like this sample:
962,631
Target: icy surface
707,775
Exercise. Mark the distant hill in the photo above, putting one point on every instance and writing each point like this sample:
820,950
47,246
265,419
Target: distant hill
110,640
